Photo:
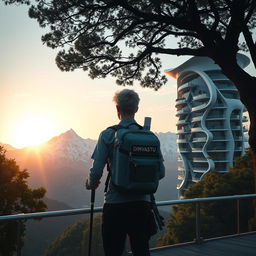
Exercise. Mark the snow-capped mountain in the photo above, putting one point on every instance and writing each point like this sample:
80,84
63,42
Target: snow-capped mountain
70,146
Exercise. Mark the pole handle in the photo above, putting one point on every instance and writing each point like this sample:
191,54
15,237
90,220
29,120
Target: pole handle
147,123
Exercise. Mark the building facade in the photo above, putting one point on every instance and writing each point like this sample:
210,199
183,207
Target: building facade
210,124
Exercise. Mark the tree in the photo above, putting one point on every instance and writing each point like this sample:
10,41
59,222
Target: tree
217,218
74,240
15,197
123,38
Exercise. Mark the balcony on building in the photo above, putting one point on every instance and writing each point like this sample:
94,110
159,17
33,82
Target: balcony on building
184,150
215,118
236,127
182,141
219,106
199,170
245,129
199,159
181,102
198,129
180,177
196,119
183,131
244,119
218,129
215,74
235,117
238,138
221,161
218,150
199,107
195,149
181,122
201,97
201,139
222,84
184,87
181,168
183,111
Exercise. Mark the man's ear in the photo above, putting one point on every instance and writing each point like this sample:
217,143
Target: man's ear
137,109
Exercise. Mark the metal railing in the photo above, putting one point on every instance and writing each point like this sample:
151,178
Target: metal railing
196,201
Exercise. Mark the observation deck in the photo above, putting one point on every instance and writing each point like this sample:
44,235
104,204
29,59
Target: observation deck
237,244
241,245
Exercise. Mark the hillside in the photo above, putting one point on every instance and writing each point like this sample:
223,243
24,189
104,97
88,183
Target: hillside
74,240
40,234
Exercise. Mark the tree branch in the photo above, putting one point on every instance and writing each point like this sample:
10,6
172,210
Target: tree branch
180,51
251,45
216,15
149,17
235,25
250,12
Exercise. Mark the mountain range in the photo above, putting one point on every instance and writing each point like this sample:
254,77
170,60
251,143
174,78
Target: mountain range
62,164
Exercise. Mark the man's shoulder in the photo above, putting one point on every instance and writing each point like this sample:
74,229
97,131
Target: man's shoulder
107,134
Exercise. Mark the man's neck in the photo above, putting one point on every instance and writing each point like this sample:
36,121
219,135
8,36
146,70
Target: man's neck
127,117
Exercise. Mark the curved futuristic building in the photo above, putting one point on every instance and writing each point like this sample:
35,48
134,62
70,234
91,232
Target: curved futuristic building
210,119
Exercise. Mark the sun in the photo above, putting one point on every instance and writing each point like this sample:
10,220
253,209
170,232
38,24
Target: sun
32,131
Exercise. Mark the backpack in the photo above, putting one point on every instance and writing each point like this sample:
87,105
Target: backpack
136,159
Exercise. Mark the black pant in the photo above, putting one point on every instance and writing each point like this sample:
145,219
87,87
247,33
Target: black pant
119,220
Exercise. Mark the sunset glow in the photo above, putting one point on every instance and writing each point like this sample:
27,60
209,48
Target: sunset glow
33,131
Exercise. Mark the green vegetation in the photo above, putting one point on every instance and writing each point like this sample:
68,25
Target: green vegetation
217,218
74,241
15,197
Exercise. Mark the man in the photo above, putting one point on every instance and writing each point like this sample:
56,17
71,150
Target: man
123,214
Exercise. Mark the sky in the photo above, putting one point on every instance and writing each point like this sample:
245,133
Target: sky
38,101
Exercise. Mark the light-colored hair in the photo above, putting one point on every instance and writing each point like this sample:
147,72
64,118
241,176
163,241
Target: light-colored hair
127,100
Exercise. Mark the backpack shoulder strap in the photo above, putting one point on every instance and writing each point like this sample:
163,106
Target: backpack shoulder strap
115,128
140,127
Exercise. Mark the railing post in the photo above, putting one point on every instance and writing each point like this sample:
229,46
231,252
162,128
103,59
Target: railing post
238,215
198,224
18,252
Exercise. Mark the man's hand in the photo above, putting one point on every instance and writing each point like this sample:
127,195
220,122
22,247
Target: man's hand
89,187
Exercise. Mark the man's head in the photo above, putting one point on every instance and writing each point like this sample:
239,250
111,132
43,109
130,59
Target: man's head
127,102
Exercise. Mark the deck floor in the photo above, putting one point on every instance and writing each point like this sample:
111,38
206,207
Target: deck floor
243,245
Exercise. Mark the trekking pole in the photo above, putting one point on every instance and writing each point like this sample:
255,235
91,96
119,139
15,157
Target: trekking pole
91,221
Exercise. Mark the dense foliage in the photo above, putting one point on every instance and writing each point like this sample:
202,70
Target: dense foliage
15,197
74,241
217,218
